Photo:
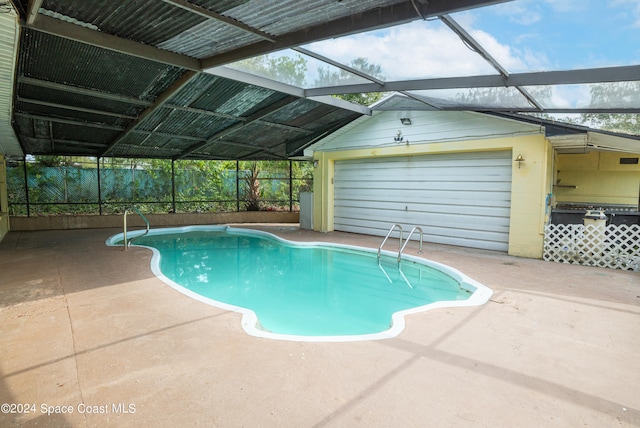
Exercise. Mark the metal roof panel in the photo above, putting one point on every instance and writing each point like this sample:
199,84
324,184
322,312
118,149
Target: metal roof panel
60,60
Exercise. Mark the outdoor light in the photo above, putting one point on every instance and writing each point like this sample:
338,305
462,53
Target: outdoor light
398,138
519,159
405,120
315,163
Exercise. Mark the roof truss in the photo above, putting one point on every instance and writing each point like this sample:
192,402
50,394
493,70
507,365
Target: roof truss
128,124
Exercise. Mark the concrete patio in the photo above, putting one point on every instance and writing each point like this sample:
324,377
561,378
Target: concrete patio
90,335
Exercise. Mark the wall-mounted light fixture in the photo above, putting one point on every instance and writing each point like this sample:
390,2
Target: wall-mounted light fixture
315,163
398,138
519,159
405,120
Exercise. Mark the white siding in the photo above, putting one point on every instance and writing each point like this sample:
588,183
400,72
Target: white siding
9,30
460,199
427,127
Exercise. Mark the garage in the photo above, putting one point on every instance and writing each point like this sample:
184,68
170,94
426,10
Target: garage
461,199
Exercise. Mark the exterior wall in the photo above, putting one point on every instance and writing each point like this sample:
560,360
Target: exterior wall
380,129
4,205
528,189
598,177
530,181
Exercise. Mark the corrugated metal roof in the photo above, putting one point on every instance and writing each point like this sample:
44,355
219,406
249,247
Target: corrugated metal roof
206,39
60,60
9,31
74,100
84,88
148,21
285,16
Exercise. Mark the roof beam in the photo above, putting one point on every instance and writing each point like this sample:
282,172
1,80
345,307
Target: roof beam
204,112
68,121
81,91
233,128
159,102
199,10
32,11
285,127
375,18
338,65
258,149
635,110
166,135
102,40
73,108
263,82
562,77
255,80
470,41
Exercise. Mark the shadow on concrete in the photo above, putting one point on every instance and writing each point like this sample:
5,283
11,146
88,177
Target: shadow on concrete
34,263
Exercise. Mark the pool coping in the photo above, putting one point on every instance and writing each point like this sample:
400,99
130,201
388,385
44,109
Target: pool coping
480,293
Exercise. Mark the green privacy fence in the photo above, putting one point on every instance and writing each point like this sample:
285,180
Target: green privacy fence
66,186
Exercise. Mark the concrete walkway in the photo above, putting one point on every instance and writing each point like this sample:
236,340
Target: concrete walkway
89,335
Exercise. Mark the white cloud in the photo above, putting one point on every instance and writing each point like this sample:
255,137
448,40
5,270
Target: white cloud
512,59
521,12
631,8
412,51
570,96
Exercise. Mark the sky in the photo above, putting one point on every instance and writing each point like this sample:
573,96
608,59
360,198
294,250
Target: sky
522,35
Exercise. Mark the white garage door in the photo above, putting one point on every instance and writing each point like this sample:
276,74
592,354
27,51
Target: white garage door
459,199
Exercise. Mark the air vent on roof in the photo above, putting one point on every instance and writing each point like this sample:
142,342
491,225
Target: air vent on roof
628,161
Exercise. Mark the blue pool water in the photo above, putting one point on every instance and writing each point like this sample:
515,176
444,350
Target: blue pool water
300,290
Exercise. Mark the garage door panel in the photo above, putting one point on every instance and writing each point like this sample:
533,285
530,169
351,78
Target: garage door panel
382,173
493,240
446,160
373,209
434,206
444,219
458,199
442,185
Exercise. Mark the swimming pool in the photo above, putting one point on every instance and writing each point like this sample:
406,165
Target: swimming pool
303,291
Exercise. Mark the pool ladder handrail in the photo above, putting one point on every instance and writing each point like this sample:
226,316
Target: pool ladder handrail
124,234
400,246
406,241
395,226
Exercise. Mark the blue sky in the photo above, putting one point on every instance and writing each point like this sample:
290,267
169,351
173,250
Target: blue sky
524,35
564,34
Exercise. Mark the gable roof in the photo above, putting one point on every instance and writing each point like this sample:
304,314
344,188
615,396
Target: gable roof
378,129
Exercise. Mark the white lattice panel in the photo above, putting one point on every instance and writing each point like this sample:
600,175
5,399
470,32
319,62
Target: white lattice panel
610,246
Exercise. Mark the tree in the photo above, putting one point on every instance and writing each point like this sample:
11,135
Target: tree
253,191
326,77
291,70
624,94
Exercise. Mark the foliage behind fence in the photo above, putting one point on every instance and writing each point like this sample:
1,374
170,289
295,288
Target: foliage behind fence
42,186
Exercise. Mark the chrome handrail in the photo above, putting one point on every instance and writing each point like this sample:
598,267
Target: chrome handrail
419,229
387,237
124,234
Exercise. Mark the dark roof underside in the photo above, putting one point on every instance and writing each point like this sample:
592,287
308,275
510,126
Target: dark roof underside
78,99
128,78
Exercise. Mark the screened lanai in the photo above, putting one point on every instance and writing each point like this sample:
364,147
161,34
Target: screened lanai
257,80
181,81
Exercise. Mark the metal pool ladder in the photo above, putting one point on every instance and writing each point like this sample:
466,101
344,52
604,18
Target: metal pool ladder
124,234
395,226
400,246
